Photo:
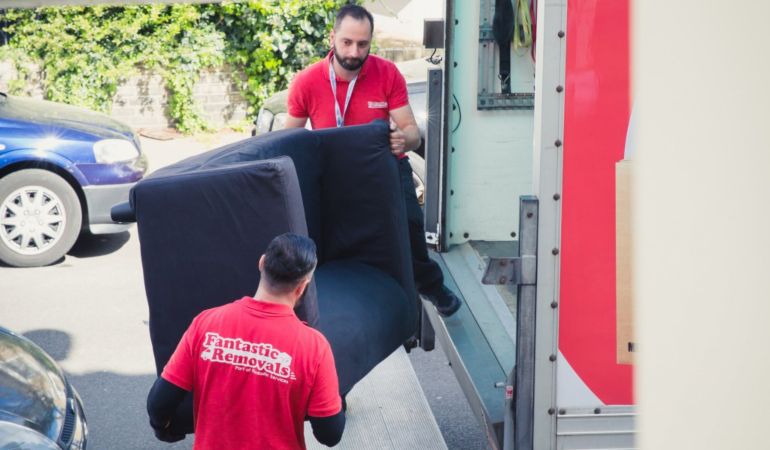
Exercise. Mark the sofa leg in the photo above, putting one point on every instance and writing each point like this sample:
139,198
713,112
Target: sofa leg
410,343
427,333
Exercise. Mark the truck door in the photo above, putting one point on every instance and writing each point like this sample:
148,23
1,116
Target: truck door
538,349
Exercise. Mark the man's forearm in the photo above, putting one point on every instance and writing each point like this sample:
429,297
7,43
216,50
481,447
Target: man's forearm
162,402
412,135
328,430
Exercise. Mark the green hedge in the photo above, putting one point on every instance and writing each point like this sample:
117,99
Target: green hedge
86,52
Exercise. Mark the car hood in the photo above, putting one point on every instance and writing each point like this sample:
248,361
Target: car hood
54,114
33,390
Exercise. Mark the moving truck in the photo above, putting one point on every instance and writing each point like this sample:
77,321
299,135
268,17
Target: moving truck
527,208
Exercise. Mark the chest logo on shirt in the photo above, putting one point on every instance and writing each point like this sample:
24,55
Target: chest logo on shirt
378,105
257,358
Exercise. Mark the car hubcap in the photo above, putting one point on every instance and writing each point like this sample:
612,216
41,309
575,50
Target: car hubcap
32,220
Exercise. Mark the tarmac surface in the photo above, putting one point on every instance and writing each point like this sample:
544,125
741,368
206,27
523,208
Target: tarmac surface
90,313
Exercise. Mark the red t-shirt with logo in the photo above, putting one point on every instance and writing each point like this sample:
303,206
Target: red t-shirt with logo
255,371
379,89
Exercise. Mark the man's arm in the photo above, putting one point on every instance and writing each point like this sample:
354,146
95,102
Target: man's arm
162,402
406,135
328,430
325,405
295,122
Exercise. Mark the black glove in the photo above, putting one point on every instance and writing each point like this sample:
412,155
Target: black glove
165,434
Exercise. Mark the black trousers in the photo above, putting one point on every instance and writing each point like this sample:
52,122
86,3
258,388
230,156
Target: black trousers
427,273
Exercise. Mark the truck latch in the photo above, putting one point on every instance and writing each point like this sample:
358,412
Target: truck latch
519,270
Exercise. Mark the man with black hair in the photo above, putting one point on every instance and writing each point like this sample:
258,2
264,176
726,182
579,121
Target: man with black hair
256,372
352,87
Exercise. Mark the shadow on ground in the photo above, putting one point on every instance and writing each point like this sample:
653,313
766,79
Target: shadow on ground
114,404
117,418
454,416
90,245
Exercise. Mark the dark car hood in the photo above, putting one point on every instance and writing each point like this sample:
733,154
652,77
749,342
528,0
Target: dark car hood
47,113
33,390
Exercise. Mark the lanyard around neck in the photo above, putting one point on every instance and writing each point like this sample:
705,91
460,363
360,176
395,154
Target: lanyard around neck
333,81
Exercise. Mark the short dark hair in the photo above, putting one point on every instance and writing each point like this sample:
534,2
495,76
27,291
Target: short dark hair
288,259
355,11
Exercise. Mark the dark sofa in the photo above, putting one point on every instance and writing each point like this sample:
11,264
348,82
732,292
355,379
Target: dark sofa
204,222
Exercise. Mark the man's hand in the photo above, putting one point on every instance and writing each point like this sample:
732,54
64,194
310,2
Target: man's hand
168,436
404,134
397,140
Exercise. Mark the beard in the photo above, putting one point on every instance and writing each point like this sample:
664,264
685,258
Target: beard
351,64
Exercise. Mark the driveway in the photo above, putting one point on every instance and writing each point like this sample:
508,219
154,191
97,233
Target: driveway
90,313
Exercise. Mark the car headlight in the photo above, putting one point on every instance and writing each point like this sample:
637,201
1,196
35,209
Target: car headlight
17,436
110,151
264,121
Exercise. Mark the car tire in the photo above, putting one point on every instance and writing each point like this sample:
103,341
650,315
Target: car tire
49,209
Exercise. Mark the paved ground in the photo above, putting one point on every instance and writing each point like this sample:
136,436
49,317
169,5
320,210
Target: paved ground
89,312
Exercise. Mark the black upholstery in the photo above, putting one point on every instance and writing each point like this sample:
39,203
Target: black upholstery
363,315
204,222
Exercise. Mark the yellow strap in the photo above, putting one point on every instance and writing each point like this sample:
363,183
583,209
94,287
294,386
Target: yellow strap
522,33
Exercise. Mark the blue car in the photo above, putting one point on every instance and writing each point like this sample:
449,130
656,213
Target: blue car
61,170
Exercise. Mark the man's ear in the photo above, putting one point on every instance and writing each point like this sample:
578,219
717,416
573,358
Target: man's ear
261,264
300,289
331,39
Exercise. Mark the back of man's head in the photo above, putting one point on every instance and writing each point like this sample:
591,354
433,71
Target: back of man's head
288,260
355,11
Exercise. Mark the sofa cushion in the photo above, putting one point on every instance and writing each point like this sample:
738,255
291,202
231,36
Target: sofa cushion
364,217
362,316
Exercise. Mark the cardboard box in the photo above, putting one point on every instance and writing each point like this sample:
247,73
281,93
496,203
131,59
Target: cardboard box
623,254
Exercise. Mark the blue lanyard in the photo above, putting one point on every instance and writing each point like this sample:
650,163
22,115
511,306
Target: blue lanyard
333,82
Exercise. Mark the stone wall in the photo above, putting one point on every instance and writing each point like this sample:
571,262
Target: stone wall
141,100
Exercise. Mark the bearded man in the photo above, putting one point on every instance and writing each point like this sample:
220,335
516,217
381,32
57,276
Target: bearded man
352,87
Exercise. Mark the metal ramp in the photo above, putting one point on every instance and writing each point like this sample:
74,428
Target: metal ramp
387,410
479,339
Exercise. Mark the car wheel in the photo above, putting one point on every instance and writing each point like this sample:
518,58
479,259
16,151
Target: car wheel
40,218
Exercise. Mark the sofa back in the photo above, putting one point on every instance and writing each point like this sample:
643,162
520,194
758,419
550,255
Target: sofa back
363,213
201,238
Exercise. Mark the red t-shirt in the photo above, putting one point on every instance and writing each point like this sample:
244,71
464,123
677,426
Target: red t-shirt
379,89
255,371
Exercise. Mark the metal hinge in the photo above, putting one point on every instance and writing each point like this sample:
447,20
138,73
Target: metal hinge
520,270
514,270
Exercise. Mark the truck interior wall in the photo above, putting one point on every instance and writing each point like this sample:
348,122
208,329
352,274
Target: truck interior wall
490,152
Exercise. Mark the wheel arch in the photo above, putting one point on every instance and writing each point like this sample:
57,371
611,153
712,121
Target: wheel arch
58,170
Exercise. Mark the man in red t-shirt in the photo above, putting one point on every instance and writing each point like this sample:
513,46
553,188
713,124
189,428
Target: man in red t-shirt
255,370
352,87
